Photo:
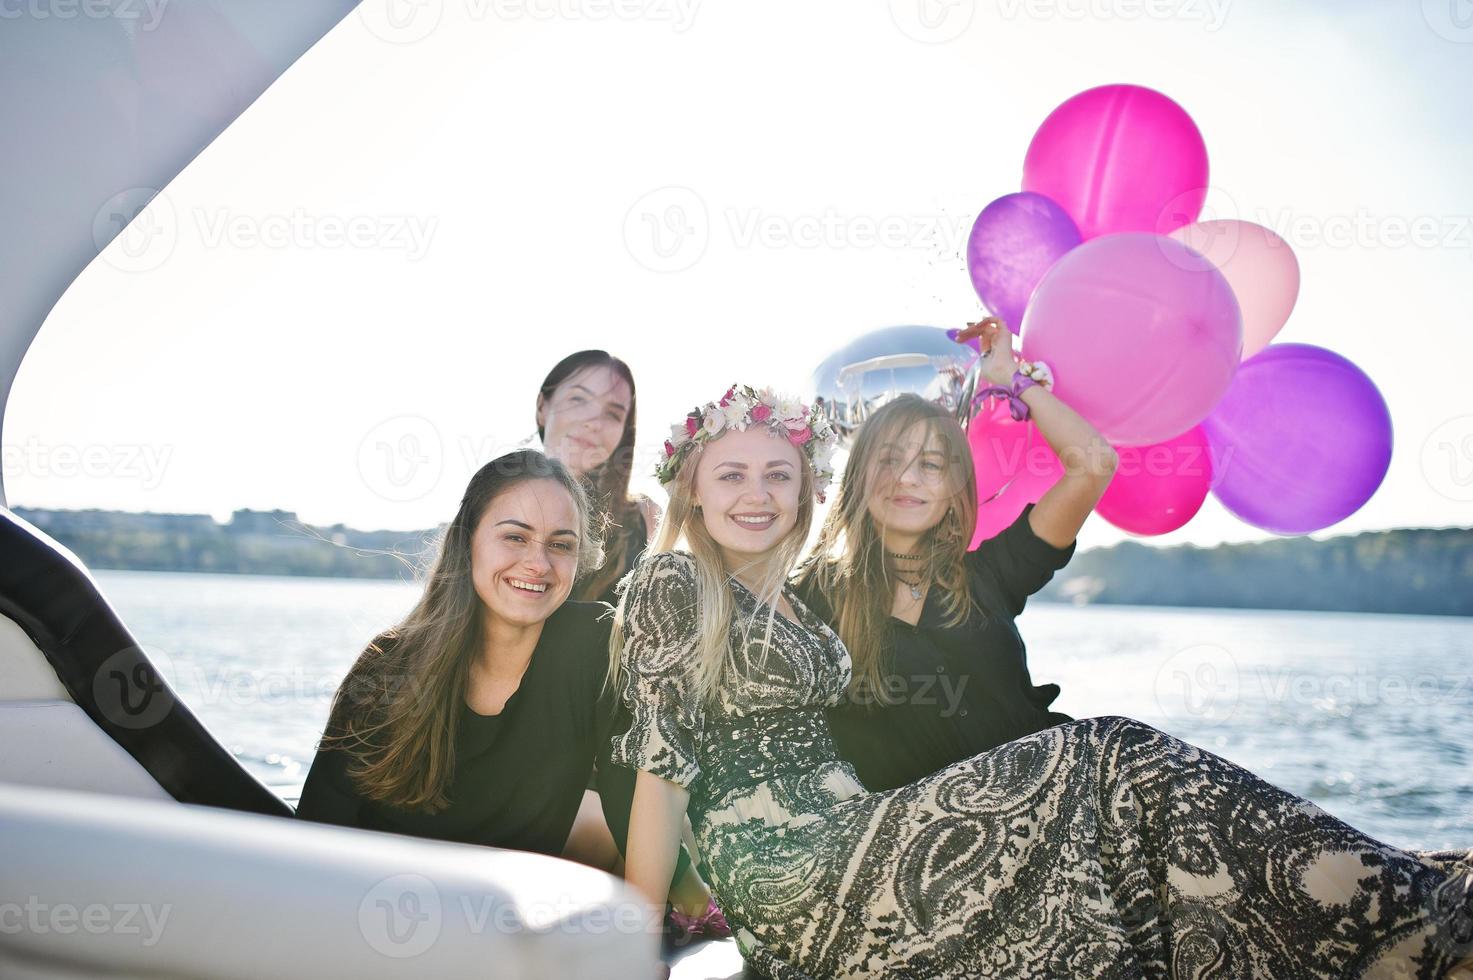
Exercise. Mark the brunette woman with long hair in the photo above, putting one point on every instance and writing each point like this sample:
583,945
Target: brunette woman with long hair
479,716
940,670
586,411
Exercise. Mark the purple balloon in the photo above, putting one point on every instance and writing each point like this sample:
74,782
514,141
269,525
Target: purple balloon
1013,243
1301,440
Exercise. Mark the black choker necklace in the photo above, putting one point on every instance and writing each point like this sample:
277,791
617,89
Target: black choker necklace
904,557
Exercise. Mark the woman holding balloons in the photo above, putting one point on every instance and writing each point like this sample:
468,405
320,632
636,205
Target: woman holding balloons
939,669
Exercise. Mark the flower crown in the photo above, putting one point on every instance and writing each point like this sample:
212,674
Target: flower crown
804,426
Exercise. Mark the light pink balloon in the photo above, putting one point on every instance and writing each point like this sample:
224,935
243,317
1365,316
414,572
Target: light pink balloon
1120,158
1142,333
1012,469
1157,489
1259,265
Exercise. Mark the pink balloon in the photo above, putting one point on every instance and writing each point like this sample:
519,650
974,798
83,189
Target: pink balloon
1012,469
1261,268
1120,158
1159,488
1142,333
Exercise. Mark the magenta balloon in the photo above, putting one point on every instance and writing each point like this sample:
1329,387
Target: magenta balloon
1157,489
1302,439
1259,265
1142,333
1120,158
1012,471
1013,243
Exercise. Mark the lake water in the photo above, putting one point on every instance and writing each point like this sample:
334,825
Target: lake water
1370,716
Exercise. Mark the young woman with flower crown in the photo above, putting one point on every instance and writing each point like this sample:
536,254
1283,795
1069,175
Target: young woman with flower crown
940,672
1096,848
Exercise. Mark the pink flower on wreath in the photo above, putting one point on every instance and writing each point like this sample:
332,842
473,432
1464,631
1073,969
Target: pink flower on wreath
761,412
799,436
726,398
669,448
692,425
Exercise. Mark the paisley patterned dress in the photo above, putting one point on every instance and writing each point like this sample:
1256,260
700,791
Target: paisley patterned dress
1099,848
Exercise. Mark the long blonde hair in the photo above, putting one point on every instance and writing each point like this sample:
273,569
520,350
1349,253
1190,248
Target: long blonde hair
848,563
716,608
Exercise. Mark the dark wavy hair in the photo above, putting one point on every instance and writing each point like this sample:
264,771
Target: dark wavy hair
608,483
397,711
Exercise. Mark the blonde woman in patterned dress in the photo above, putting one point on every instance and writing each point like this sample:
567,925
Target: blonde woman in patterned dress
1098,848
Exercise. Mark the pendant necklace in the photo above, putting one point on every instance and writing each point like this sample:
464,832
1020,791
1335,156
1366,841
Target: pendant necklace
915,587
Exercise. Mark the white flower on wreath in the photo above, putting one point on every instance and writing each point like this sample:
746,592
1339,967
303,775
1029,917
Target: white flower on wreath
714,421
678,435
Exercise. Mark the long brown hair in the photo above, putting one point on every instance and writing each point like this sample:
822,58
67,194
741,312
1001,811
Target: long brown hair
397,711
608,483
848,561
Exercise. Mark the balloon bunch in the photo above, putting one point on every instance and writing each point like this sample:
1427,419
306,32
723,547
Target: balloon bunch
1157,327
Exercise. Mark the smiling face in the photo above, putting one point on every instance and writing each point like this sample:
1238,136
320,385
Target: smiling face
524,553
908,486
583,420
748,485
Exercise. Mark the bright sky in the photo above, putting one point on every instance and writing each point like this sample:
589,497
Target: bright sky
345,304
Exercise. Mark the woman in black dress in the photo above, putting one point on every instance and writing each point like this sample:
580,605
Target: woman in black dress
478,718
586,421
586,410
940,671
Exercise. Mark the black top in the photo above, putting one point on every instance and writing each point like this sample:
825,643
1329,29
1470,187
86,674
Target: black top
965,689
519,775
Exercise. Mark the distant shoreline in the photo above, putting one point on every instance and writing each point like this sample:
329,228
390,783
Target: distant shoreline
1413,571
